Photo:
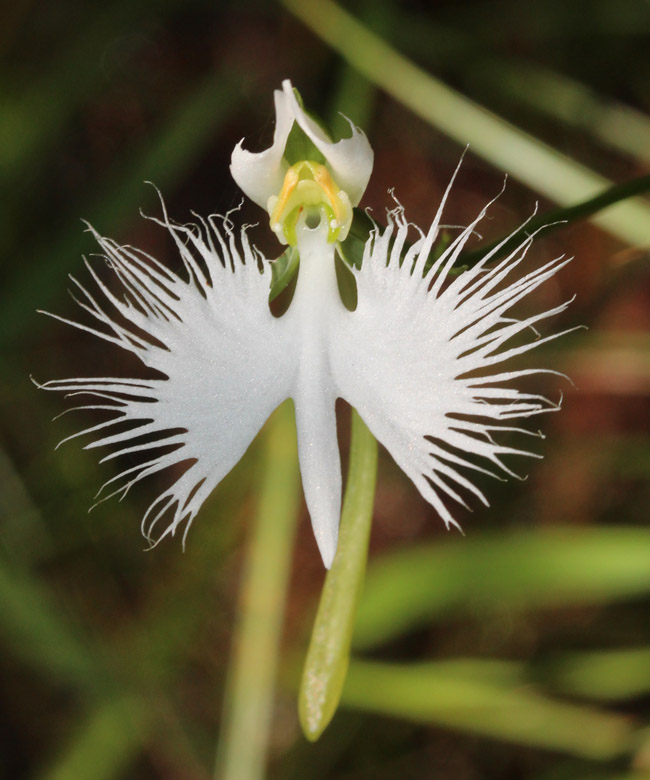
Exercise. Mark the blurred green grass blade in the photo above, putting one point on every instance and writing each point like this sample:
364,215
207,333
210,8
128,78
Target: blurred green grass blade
554,94
606,675
609,675
243,743
505,146
521,570
109,740
356,95
495,672
40,277
33,625
427,694
327,658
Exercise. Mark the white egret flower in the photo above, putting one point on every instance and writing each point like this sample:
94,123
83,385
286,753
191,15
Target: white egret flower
420,357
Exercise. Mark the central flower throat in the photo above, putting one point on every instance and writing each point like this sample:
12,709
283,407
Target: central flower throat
308,189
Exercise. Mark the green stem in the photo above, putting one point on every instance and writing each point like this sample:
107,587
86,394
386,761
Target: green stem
329,650
561,217
243,742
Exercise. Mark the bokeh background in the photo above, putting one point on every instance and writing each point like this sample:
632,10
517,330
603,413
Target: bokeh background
519,651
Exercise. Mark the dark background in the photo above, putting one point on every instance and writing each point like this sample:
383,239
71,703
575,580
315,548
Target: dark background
114,659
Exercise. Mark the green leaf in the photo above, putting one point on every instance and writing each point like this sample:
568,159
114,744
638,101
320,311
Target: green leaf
521,570
610,675
251,674
107,743
438,694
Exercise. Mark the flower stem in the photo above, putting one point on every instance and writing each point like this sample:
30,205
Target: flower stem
555,219
242,748
329,649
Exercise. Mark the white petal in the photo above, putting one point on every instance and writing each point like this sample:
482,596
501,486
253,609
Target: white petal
406,356
350,160
260,175
226,360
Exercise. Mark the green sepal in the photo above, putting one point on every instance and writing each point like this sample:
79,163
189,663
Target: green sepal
282,271
299,146
351,250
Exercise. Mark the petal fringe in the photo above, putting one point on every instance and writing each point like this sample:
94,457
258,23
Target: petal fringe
415,357
226,363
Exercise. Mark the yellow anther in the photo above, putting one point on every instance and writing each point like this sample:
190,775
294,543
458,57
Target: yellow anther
322,177
291,179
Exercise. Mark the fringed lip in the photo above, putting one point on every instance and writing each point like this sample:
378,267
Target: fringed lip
420,358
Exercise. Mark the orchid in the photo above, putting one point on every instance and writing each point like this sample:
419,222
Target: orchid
420,357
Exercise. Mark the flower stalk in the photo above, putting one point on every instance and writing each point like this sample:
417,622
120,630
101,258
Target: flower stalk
242,749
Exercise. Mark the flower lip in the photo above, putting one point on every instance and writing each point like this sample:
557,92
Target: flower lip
261,175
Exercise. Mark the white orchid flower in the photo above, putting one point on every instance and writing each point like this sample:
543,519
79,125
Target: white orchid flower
419,358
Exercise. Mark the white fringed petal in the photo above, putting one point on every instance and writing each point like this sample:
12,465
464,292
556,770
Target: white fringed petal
416,358
260,175
226,362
